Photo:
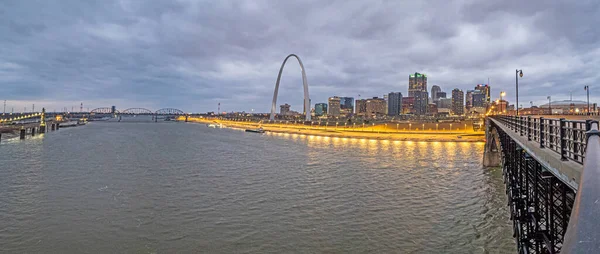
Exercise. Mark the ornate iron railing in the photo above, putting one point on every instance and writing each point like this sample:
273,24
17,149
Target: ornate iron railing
548,215
565,137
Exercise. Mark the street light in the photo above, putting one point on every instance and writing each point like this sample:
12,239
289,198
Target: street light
517,74
550,104
587,89
397,125
502,94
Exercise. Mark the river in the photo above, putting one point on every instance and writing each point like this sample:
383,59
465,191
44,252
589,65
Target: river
169,187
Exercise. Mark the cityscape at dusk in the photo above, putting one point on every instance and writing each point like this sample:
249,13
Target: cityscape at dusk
300,126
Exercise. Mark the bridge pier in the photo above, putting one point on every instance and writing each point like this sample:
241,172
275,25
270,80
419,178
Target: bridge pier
22,133
491,155
32,131
52,127
42,129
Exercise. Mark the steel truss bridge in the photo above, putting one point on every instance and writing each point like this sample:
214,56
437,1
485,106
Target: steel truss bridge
551,170
138,111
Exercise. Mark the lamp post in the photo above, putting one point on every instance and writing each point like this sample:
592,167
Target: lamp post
502,94
550,104
587,89
517,74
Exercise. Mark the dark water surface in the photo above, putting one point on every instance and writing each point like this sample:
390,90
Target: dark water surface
186,188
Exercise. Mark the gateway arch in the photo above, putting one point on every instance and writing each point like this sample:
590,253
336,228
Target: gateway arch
304,82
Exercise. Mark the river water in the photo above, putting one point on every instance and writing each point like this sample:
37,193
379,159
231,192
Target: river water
186,188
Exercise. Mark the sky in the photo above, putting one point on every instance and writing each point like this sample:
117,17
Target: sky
192,55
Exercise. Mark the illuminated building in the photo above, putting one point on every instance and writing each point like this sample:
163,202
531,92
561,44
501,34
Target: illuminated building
334,106
320,109
284,109
458,104
346,105
416,83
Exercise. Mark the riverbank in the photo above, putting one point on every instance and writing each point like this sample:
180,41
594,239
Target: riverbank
374,132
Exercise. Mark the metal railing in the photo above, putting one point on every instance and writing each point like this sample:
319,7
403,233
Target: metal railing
572,140
565,137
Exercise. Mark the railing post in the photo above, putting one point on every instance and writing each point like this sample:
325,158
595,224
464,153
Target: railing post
529,128
563,141
541,132
521,126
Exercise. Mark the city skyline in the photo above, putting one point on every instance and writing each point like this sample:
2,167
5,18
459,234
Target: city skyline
194,55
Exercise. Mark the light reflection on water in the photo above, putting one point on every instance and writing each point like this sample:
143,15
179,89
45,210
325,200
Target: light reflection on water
146,188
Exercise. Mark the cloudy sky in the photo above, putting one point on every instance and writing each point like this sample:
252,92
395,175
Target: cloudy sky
194,54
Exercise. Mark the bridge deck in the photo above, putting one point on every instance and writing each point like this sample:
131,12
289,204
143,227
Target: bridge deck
568,171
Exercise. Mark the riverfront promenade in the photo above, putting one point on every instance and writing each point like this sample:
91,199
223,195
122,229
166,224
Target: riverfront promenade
381,131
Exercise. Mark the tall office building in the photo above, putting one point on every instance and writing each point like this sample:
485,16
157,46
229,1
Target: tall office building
361,107
320,109
346,105
434,93
485,89
444,103
458,102
421,102
416,83
394,104
469,99
375,106
479,100
441,95
284,109
334,106
408,105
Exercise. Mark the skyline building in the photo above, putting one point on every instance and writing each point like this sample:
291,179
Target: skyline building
346,105
458,105
421,102
478,100
394,104
284,109
486,90
361,107
444,103
434,93
416,83
334,106
469,99
375,106
320,109
408,105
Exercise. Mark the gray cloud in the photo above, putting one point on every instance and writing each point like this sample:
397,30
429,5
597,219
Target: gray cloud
194,54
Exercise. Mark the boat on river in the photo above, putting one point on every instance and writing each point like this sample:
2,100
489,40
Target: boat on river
259,130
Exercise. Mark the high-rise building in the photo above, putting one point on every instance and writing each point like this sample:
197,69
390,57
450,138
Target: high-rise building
394,104
434,93
334,106
408,105
440,95
469,99
346,105
284,109
416,82
444,103
320,109
113,109
361,107
485,89
421,102
375,106
479,100
458,102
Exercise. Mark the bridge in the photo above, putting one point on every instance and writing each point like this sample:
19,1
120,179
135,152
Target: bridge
551,170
